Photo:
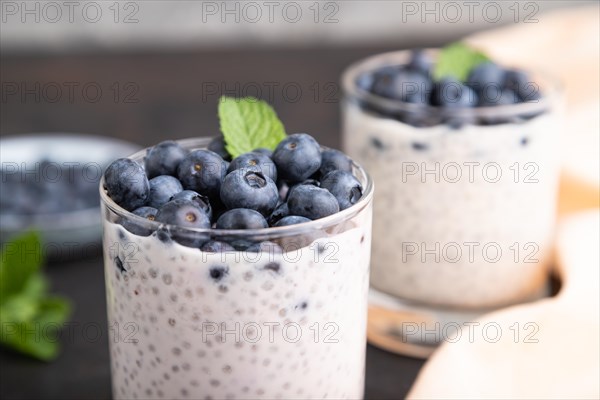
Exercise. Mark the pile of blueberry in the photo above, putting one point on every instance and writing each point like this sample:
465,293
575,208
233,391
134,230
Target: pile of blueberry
47,187
488,85
297,182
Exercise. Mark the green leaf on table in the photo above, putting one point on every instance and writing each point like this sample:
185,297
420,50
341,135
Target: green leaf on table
457,60
20,259
29,317
247,124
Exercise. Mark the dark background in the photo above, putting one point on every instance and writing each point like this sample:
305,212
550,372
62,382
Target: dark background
145,98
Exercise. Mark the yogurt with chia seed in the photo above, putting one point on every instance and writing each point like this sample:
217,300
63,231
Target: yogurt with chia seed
463,214
186,323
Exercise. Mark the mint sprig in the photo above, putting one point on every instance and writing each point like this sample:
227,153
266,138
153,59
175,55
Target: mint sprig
28,315
248,124
457,60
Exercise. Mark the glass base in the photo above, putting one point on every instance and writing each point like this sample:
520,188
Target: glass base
416,330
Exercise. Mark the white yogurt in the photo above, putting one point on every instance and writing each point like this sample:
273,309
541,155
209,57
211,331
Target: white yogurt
437,234
282,326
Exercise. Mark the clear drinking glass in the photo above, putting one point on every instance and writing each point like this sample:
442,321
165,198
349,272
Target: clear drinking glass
191,324
464,204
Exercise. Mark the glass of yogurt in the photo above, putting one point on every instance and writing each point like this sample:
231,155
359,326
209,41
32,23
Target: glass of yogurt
186,323
465,197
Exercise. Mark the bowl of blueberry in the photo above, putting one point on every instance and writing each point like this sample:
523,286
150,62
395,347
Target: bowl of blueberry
50,184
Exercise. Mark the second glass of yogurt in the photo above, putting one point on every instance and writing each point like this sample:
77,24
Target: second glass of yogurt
464,204
187,323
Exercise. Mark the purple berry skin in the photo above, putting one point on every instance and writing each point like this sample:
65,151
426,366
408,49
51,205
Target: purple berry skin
164,158
126,183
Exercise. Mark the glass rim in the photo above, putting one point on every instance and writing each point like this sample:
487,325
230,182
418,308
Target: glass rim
278,231
550,91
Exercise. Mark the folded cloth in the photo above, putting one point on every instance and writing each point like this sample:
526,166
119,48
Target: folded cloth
554,350
550,348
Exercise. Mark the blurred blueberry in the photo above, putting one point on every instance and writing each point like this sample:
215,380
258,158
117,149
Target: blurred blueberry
420,61
365,81
485,74
520,82
451,93
493,97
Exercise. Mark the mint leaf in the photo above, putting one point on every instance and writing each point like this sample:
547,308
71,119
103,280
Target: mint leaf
457,60
248,124
29,318
21,258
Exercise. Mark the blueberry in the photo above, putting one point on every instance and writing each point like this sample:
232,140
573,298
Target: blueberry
453,94
291,220
272,266
164,158
162,189
265,247
312,182
332,160
403,84
519,82
200,200
241,218
186,214
219,272
365,81
217,145
254,159
497,97
344,186
263,151
418,146
126,183
297,157
312,202
280,212
119,265
383,79
411,86
216,247
146,212
420,61
378,144
249,188
486,74
183,213
137,229
202,171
